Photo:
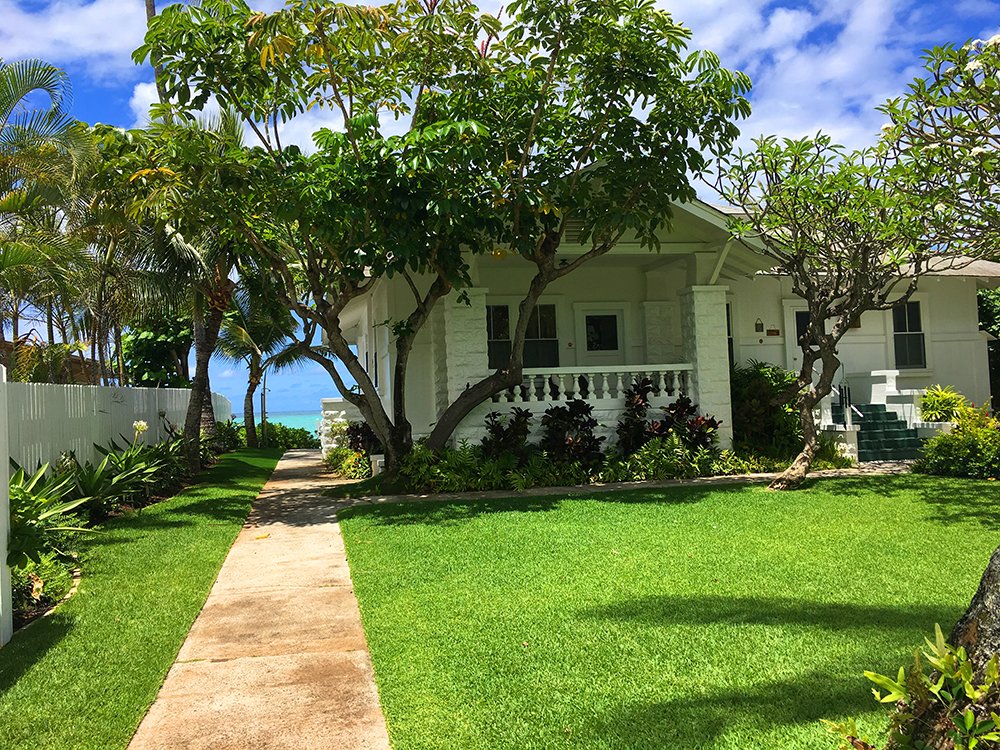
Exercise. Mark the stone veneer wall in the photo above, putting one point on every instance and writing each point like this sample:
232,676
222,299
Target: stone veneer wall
703,326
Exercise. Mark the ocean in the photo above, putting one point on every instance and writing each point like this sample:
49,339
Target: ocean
308,420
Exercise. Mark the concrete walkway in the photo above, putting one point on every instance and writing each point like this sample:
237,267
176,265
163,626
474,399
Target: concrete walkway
277,658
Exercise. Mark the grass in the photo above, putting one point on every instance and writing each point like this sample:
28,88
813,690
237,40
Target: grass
694,617
84,677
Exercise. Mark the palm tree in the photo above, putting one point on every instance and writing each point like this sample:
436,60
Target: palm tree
257,332
42,151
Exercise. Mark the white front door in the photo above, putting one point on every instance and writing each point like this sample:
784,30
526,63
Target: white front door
600,336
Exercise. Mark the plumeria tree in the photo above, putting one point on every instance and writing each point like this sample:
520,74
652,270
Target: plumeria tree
946,128
849,241
573,122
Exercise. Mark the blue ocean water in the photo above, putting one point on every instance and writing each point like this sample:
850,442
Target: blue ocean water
308,420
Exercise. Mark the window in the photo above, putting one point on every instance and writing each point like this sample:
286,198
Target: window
602,333
541,344
908,336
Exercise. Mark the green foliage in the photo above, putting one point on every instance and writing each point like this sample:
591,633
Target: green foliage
764,416
971,449
941,403
286,438
38,507
156,354
659,459
989,311
39,585
230,435
348,464
681,418
942,677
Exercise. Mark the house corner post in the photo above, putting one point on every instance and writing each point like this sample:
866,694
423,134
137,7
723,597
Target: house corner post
6,594
705,337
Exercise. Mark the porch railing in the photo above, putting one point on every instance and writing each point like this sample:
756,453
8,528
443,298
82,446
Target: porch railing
596,383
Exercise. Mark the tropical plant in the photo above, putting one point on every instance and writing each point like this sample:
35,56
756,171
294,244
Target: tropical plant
507,435
633,430
764,415
971,449
568,434
37,505
941,403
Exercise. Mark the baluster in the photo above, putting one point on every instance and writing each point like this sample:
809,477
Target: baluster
539,387
657,378
669,385
603,384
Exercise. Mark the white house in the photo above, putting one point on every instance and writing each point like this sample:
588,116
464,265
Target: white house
679,316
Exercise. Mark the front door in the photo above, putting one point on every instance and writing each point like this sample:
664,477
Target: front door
600,337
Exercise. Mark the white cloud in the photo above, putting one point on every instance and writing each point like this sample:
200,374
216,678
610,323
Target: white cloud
100,34
143,96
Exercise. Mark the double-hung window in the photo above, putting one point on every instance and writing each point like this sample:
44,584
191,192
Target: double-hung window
908,336
541,343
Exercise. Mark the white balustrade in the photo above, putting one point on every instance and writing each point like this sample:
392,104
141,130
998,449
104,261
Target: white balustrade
552,384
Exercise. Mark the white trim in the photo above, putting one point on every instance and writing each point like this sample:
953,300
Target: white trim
925,328
586,358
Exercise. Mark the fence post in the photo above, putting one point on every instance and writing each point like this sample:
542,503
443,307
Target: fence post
6,595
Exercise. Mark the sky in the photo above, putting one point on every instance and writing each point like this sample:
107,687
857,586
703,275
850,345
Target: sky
821,65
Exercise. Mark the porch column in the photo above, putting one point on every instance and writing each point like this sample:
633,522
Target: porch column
703,327
464,342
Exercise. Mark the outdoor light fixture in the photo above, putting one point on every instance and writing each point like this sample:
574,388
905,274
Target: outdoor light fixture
758,327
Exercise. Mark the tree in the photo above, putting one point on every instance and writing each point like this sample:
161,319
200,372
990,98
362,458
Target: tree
835,223
257,331
156,352
588,114
947,129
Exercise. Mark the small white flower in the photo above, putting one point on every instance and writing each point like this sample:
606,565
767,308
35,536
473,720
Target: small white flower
888,128
979,151
139,426
993,41
973,65
940,208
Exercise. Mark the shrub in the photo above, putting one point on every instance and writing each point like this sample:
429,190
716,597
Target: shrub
632,430
334,431
287,438
941,403
681,418
36,586
764,417
507,436
659,459
362,439
356,466
38,508
729,463
230,435
348,464
568,434
972,449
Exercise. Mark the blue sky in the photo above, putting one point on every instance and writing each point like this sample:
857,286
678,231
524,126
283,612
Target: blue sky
815,65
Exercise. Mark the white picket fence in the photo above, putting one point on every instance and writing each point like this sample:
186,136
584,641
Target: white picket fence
39,422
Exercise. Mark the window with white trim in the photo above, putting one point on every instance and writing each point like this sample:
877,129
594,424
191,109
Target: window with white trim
908,336
541,342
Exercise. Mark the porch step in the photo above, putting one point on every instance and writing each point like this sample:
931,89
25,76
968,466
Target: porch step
883,436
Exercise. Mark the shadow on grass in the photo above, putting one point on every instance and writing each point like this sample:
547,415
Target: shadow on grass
29,645
709,610
444,511
950,500
697,721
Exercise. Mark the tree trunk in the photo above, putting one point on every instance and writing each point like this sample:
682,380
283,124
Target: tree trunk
809,396
206,333
161,89
978,631
249,422
796,473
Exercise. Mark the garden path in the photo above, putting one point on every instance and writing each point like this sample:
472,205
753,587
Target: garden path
277,658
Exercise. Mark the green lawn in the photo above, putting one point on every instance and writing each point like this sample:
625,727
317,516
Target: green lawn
84,677
681,618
